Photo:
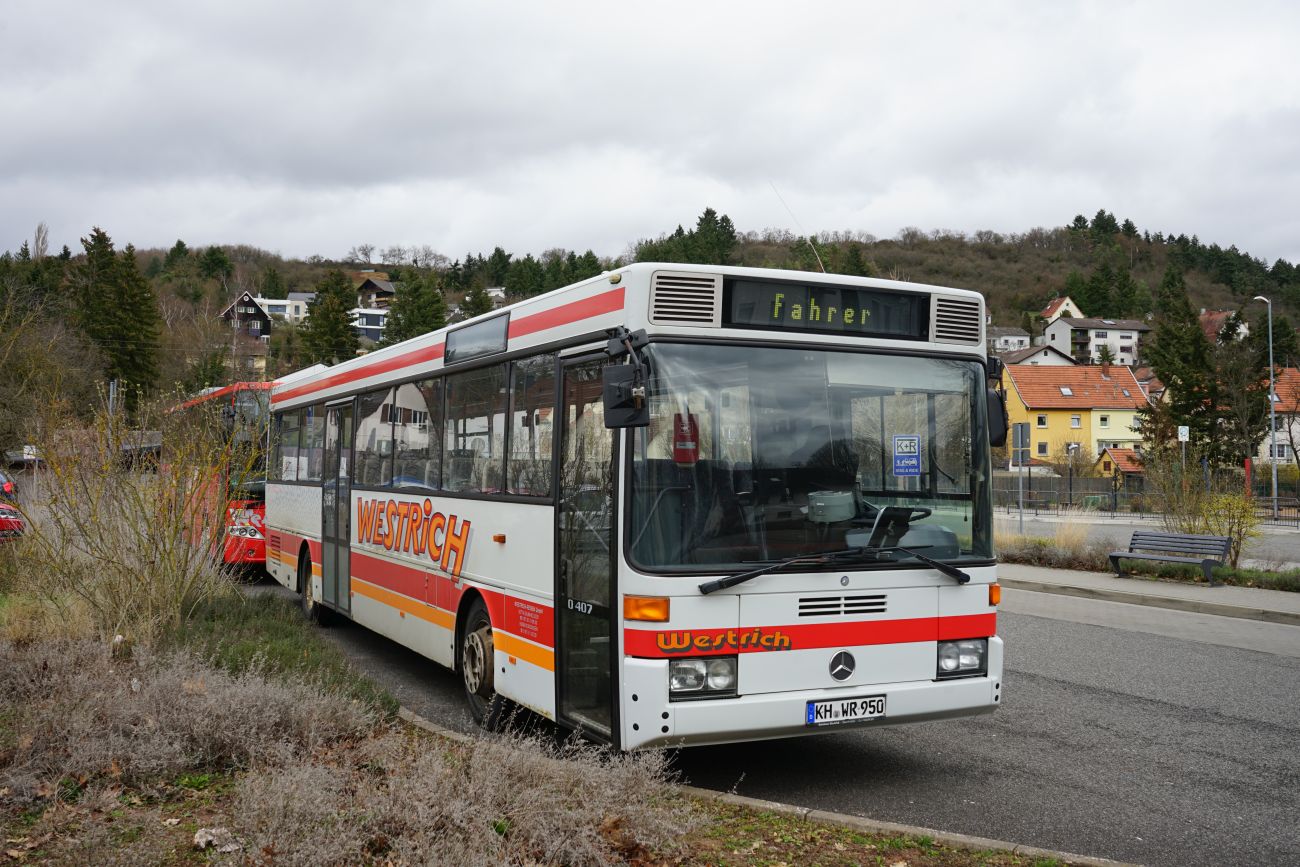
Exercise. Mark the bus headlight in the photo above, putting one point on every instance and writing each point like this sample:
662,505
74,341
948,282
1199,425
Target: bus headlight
708,677
966,658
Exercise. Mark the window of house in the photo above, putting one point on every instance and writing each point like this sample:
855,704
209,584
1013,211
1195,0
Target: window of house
1074,421
1126,349
1282,452
1105,466
1042,449
1042,421
1066,391
1101,335
1103,421
1126,337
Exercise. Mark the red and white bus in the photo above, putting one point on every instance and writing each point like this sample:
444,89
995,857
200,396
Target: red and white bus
673,504
245,412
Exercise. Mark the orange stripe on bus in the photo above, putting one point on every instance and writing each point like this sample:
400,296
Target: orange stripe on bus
528,652
436,616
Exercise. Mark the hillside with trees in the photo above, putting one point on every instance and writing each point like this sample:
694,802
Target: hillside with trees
72,320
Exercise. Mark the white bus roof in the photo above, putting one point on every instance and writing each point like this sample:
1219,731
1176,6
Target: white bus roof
662,298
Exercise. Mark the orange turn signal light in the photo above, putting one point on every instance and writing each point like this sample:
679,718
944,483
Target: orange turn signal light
651,608
995,594
499,538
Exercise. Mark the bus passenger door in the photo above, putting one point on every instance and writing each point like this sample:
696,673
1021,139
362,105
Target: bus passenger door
336,496
585,645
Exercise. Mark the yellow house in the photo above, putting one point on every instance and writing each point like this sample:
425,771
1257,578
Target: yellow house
1089,407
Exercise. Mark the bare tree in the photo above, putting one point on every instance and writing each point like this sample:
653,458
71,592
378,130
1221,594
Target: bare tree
41,241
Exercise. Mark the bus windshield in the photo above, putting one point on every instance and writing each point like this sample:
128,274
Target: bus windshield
757,454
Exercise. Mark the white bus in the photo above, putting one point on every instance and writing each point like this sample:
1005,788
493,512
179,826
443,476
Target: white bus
672,504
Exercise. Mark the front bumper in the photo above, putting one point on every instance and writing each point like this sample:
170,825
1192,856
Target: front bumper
651,720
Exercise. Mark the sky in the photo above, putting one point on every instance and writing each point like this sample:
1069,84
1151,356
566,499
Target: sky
311,127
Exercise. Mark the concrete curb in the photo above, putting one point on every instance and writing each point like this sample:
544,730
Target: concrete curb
856,823
1196,606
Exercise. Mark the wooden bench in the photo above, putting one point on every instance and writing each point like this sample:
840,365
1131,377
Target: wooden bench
1206,551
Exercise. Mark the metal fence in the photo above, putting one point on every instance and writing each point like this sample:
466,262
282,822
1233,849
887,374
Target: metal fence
1043,494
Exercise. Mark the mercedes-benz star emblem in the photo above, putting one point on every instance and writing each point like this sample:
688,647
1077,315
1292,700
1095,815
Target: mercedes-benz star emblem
842,665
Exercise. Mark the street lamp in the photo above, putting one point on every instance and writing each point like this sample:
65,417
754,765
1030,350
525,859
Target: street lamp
1272,404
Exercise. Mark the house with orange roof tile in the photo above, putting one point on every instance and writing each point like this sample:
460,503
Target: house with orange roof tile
1093,407
1058,307
1286,408
1124,462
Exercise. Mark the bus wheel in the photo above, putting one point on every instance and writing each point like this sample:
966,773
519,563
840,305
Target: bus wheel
476,664
311,609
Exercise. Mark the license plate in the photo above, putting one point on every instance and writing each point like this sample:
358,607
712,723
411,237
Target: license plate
845,710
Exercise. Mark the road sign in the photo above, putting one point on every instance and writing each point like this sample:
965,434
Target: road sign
1184,433
907,455
1020,444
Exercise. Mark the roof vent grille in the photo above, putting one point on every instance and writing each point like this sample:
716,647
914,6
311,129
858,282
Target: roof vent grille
956,320
686,298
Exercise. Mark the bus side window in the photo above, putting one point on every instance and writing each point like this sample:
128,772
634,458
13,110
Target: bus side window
312,451
417,435
288,430
373,449
531,424
475,430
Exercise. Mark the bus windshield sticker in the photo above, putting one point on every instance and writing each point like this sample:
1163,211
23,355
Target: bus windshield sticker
907,455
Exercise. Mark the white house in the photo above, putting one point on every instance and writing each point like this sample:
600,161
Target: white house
1083,338
1058,307
1043,356
1006,339
291,309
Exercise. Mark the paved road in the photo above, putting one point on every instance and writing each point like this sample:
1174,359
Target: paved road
1275,547
1155,737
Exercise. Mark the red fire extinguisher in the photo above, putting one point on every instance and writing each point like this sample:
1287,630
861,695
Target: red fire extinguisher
686,439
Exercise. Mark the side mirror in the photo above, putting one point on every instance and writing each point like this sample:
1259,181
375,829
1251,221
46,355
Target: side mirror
624,393
997,405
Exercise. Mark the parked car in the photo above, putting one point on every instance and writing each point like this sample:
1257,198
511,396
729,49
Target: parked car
8,487
11,524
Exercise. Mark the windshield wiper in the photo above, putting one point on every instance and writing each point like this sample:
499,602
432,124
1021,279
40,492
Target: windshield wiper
828,557
799,559
947,569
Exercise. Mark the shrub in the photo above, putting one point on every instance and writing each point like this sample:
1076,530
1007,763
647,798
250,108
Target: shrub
130,543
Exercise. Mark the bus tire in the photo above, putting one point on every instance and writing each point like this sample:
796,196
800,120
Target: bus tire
314,611
477,662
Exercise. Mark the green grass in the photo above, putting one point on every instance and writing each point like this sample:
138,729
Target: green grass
241,631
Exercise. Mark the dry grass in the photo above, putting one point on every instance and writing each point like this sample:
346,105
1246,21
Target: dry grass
411,799
1069,548
71,713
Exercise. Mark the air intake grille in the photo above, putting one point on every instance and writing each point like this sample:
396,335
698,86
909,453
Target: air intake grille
836,606
679,298
956,320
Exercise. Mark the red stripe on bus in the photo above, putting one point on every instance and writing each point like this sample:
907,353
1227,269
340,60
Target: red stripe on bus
596,305
802,636
397,362
391,576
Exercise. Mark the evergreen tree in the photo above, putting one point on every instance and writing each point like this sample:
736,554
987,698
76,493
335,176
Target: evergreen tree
328,335
417,308
1180,356
115,306
476,302
498,267
524,278
214,264
177,254
1079,224
272,284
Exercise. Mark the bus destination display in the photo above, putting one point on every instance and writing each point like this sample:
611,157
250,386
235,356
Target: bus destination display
831,309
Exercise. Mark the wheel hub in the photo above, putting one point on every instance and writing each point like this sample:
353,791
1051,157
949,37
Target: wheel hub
477,662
